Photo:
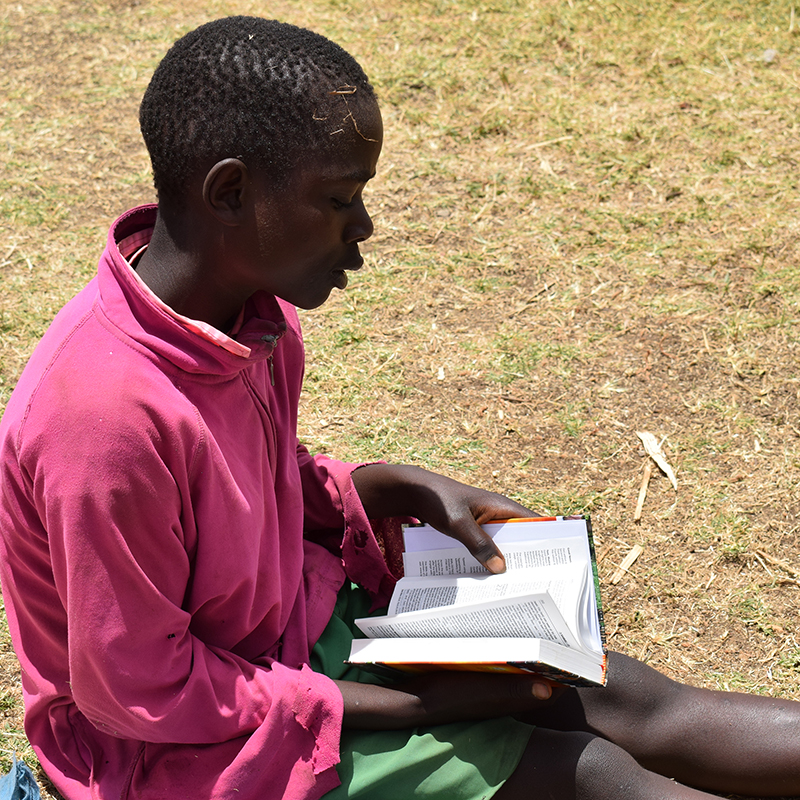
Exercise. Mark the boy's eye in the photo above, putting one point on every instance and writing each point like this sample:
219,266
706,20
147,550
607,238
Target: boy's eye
337,204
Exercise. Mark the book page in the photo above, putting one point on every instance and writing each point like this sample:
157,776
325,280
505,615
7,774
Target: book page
535,616
528,555
550,556
424,537
415,594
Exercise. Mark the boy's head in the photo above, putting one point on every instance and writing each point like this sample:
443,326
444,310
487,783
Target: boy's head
266,92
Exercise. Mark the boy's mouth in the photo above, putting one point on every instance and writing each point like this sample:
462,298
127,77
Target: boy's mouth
340,274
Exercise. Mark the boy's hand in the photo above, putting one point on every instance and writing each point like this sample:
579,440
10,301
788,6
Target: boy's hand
389,490
442,697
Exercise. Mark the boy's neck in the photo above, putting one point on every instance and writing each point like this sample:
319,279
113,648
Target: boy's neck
177,268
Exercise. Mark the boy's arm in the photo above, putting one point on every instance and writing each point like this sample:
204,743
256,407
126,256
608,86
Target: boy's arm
100,560
441,697
392,490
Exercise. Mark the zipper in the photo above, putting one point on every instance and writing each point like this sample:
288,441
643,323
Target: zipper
272,339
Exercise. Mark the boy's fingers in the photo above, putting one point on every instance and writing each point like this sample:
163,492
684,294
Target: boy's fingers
496,564
479,695
542,691
480,544
522,688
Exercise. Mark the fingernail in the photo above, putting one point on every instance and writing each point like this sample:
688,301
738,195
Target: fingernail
496,565
541,691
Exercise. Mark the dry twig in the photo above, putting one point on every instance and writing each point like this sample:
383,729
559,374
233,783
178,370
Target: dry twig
648,471
653,448
627,563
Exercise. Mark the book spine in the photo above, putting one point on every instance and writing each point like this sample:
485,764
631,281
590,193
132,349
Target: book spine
598,599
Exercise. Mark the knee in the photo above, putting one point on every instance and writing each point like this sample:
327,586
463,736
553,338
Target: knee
582,756
640,691
638,710
575,764
599,756
550,763
607,771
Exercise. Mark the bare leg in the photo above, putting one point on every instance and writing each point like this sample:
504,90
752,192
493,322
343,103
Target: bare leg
561,765
720,741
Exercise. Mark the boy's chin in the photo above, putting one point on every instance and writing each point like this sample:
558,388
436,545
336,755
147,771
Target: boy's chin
310,302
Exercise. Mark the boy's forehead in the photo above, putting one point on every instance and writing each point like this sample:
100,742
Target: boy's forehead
351,162
349,151
346,151
340,111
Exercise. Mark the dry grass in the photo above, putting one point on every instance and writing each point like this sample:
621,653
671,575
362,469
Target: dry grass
587,226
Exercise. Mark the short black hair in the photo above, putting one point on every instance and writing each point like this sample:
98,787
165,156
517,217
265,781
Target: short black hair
250,88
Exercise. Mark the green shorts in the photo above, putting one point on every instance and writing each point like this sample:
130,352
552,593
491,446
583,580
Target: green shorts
458,761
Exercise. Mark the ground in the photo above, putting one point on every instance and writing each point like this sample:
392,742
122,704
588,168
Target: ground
586,227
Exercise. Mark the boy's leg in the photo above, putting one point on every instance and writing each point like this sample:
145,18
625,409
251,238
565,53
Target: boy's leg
562,765
720,741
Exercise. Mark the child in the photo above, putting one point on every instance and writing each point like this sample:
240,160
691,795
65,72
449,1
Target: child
177,569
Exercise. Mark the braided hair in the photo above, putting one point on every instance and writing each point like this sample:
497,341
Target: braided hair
250,88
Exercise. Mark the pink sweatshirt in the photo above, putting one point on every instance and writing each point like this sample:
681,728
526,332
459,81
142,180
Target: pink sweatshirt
161,595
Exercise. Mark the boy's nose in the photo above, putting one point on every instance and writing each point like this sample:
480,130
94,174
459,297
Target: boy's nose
359,227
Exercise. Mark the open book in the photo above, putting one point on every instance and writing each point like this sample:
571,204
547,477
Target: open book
542,615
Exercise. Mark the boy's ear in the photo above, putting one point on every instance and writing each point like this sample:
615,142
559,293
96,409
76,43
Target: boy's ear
226,190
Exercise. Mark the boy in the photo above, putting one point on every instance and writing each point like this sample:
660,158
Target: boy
177,568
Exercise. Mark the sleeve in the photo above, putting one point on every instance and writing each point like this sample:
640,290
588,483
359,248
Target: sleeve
371,549
119,535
